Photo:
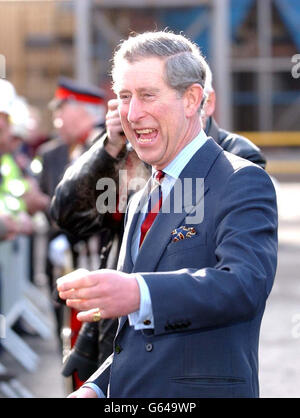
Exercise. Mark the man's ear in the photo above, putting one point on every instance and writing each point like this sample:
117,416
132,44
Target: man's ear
192,99
210,104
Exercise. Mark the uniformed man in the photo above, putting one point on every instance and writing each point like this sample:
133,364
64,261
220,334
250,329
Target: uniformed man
78,113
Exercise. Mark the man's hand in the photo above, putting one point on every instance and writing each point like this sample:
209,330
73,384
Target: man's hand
112,292
83,393
10,225
116,138
35,199
26,224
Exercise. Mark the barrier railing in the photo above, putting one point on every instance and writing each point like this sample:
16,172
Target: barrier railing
274,139
20,298
280,139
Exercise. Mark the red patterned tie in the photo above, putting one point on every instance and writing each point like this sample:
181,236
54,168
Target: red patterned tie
152,211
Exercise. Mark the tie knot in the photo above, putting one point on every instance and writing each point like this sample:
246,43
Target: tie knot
159,175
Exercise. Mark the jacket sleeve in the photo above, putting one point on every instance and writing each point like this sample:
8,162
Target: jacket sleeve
74,205
101,376
236,287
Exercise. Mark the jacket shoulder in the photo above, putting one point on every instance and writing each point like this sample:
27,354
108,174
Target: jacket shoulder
235,143
53,145
241,146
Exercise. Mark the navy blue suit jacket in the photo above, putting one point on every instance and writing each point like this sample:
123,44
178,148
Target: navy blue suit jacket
208,291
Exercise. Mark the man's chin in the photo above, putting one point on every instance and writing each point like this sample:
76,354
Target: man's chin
145,158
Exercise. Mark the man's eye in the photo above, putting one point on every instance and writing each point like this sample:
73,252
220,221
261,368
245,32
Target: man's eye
124,97
147,95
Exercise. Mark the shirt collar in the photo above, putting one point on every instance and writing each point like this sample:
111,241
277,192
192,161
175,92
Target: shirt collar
181,160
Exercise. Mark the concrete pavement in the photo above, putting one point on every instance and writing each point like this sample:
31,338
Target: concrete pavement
280,332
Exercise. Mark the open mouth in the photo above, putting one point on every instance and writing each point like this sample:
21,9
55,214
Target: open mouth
146,136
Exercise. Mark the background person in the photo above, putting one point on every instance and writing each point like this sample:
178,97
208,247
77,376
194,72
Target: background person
78,112
19,195
229,141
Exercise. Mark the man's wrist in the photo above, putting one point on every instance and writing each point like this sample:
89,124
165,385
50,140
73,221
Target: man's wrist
95,388
113,149
143,317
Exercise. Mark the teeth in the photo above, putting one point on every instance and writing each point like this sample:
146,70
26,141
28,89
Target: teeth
145,131
144,140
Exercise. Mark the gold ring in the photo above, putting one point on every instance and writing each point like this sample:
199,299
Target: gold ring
97,316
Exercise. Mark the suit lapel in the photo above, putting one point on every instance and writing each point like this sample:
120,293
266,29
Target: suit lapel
159,235
125,260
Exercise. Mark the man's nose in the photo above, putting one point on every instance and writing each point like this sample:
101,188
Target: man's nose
135,111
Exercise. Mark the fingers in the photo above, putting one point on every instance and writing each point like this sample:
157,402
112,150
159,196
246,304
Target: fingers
91,315
114,293
78,293
77,279
113,121
114,124
112,116
81,289
116,137
83,392
113,112
112,104
84,304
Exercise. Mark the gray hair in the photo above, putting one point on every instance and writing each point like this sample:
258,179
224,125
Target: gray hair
208,86
184,63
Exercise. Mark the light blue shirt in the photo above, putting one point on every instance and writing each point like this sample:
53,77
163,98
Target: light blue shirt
172,173
95,388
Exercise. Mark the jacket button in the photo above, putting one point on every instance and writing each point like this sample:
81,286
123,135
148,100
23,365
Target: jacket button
149,347
118,349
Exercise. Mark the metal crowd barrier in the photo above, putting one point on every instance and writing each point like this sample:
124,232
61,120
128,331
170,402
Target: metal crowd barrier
21,299
279,140
10,386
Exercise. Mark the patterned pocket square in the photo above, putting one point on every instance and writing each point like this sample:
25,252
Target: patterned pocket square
183,232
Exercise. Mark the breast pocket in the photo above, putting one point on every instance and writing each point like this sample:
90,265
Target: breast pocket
186,244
